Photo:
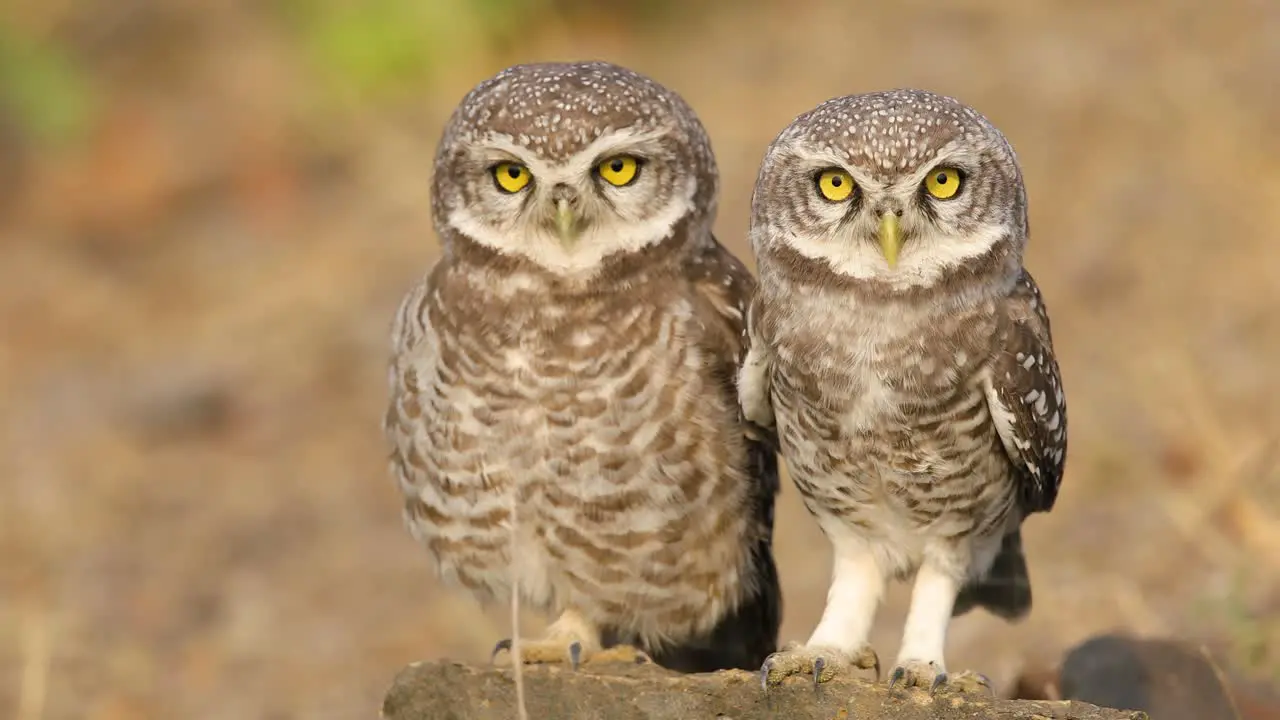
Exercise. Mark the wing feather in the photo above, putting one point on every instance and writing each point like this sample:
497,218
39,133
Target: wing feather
1025,395
723,288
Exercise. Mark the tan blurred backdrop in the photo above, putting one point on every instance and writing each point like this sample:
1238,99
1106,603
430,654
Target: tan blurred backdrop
209,209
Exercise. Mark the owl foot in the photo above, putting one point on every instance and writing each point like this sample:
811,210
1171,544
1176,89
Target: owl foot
561,650
819,662
922,674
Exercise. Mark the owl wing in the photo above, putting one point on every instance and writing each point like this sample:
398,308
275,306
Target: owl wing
1024,394
414,358
721,289
724,291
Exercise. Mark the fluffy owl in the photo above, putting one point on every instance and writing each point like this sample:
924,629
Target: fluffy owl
903,354
563,414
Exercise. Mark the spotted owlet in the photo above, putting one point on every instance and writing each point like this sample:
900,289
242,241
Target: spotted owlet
903,354
564,416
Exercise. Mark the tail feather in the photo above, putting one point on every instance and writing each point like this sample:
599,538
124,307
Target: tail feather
1006,589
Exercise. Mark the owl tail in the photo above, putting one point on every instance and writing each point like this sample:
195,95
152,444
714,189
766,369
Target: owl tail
1006,590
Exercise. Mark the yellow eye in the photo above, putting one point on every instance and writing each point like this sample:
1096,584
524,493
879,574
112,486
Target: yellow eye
511,177
618,170
943,183
835,184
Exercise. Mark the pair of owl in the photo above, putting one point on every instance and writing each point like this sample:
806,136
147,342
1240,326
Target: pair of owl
590,395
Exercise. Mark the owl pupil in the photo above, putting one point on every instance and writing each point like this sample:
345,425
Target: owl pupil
836,182
513,172
942,178
616,166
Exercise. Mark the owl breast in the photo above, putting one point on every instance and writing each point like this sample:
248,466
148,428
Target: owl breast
886,429
584,449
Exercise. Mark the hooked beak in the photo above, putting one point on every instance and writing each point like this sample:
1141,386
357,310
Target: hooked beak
566,223
890,238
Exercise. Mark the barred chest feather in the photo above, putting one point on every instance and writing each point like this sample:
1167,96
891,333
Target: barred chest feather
597,420
883,419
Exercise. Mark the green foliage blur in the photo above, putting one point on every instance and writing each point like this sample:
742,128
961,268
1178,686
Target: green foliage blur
359,52
371,50
47,95
379,48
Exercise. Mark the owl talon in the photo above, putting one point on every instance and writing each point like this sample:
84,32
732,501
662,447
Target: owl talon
821,663
502,645
965,682
550,650
930,675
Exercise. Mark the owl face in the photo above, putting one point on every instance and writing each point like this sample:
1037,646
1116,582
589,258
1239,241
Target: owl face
903,188
568,164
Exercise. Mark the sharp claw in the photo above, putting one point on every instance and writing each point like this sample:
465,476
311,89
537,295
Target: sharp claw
818,665
575,654
896,676
502,645
938,681
764,674
876,663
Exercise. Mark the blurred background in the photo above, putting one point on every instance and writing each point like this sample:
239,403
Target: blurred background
210,208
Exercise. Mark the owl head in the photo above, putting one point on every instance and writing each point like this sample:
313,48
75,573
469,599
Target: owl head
569,164
901,191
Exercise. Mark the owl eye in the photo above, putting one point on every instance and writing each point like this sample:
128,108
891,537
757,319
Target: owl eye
619,170
511,177
835,184
943,183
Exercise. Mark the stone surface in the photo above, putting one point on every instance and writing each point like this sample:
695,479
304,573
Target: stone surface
455,691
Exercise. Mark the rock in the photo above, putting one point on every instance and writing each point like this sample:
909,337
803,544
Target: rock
455,691
1169,679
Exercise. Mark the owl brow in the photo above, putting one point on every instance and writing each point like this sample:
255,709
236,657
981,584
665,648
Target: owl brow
644,145
815,162
497,151
961,158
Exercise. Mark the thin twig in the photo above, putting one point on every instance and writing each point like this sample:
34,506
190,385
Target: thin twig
517,662
35,667
1222,681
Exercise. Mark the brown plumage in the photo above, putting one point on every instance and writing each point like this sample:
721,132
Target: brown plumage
905,356
580,373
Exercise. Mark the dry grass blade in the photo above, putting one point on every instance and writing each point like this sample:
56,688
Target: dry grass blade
1222,681
516,660
35,667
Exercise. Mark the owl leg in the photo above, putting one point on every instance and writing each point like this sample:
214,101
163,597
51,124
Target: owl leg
571,639
920,662
839,643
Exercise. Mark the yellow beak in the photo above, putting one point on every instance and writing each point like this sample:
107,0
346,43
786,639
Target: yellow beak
565,222
890,238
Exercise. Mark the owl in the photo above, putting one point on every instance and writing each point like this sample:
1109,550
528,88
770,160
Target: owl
563,415
902,353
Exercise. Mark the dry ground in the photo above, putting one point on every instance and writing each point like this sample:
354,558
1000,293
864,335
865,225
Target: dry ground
195,519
